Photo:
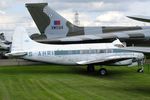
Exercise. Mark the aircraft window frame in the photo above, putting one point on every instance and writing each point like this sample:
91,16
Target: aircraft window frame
94,51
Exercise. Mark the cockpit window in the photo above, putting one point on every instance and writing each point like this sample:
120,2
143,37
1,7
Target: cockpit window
119,45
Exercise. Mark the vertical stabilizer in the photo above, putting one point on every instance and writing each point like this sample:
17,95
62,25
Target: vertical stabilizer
39,17
21,41
50,23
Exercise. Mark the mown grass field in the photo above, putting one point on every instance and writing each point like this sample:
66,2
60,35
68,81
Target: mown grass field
54,82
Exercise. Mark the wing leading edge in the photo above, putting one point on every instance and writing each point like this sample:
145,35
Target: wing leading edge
105,59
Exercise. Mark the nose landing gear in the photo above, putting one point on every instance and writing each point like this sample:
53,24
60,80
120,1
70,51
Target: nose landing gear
141,64
140,70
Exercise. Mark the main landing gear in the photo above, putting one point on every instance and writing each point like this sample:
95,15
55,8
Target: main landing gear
103,72
91,69
141,64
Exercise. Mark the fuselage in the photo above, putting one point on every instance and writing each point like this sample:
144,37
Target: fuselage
72,54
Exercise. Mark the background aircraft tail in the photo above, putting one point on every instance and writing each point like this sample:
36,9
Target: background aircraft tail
50,23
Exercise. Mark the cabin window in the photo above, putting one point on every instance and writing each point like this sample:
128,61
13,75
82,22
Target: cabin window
120,45
69,52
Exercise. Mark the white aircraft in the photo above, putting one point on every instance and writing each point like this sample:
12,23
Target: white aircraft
74,54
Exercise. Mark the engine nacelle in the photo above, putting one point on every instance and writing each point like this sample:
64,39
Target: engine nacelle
133,64
124,62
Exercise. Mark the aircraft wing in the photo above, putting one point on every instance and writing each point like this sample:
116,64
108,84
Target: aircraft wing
4,46
105,59
16,54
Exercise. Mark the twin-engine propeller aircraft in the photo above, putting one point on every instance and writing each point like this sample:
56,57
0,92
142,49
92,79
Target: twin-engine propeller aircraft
74,54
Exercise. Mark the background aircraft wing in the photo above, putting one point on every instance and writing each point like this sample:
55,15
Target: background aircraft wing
141,34
88,37
140,18
105,59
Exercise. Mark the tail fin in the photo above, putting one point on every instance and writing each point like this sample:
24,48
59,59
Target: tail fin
21,41
51,23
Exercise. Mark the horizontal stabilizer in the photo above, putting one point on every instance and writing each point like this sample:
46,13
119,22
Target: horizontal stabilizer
17,54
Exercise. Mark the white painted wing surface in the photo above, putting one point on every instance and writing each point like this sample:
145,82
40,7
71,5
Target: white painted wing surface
16,54
105,59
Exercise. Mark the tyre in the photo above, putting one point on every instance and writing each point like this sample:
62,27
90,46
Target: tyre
140,70
103,72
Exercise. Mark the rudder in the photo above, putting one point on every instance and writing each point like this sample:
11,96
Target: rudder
50,23
21,41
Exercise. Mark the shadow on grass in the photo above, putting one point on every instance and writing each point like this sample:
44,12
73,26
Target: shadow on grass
112,74
141,90
38,69
56,69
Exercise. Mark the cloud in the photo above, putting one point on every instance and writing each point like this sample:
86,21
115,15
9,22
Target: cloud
31,1
2,12
110,16
114,18
11,21
4,4
92,12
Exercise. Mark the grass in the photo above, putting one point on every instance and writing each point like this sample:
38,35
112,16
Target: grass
54,82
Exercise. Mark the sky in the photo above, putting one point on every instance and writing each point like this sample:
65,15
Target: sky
13,13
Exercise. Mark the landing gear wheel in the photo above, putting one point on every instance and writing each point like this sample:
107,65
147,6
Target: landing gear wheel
140,70
90,68
141,63
102,71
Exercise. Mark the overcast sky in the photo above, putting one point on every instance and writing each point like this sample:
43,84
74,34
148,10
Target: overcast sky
92,12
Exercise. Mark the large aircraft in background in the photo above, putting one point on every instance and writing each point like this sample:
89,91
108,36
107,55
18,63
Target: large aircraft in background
74,54
3,43
55,28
